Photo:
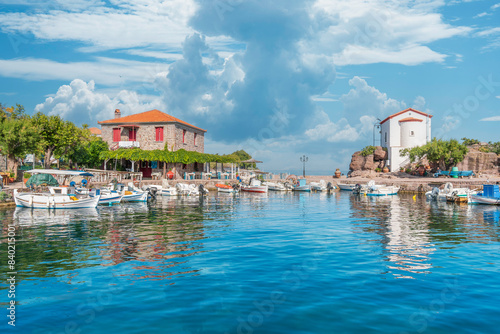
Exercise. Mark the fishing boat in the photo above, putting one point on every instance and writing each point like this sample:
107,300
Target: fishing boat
226,188
490,195
372,189
276,186
381,191
301,185
346,186
106,196
255,186
57,197
133,194
169,191
185,189
318,186
450,194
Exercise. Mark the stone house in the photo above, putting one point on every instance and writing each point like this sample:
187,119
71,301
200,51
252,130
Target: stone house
405,129
153,130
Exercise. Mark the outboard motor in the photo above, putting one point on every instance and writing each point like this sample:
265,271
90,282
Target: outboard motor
202,190
153,192
356,189
435,192
330,187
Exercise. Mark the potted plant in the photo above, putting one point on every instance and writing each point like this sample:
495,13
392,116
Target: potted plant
337,173
385,169
408,170
26,176
12,176
170,174
378,170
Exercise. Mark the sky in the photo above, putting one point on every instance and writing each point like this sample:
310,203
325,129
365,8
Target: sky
279,79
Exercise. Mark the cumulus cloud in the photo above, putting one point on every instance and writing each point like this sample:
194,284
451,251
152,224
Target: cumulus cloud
80,103
364,99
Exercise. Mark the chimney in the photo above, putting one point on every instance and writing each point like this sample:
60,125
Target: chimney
118,114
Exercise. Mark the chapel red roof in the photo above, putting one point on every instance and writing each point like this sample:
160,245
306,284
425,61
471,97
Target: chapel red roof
151,116
403,111
410,119
95,131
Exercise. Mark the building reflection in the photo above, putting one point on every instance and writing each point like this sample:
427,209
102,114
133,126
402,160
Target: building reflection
404,235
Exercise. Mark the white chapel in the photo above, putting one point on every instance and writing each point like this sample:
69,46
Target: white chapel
405,129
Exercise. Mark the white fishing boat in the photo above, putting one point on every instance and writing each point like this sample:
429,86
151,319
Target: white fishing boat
133,194
381,191
276,186
318,186
226,188
185,189
346,186
106,196
490,195
301,185
170,191
448,193
57,198
255,186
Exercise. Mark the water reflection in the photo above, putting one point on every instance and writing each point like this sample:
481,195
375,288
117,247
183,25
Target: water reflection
411,229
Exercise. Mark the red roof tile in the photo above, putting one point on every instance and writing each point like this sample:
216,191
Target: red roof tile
152,116
403,111
95,131
410,119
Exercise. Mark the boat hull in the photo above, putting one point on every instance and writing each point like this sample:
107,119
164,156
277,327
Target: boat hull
137,197
346,187
42,201
478,199
306,188
254,189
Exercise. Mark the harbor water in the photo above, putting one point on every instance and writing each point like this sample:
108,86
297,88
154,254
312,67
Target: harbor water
256,263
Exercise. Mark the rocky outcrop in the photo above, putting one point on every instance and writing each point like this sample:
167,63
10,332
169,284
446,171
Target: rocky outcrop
486,163
369,162
380,154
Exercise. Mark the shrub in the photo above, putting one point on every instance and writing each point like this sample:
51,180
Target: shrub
26,175
368,150
408,170
3,196
469,142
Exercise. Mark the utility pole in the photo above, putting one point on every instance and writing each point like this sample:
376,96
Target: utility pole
304,159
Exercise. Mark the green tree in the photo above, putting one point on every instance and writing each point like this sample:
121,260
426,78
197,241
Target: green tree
242,155
470,142
58,138
18,136
445,153
87,153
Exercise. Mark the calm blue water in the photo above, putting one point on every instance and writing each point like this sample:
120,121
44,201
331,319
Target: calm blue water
277,263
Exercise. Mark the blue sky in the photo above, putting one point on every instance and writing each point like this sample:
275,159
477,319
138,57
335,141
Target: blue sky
277,78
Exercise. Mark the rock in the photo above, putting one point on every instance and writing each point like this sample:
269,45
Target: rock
357,161
380,154
369,163
486,163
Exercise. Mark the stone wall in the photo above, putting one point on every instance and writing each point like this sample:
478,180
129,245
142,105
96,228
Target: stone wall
146,136
3,163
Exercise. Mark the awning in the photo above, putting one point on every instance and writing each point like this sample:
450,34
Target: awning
59,172
252,161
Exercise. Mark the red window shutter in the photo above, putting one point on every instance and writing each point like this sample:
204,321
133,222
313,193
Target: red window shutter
159,134
116,134
132,134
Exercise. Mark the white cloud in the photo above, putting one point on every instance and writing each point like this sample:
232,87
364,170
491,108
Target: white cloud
364,32
488,32
491,119
80,103
364,99
481,15
107,71
412,55
495,6
132,24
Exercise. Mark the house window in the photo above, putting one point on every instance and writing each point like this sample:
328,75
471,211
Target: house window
412,134
132,134
386,137
194,142
116,134
159,133
183,136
